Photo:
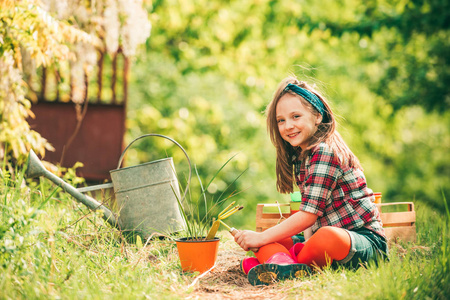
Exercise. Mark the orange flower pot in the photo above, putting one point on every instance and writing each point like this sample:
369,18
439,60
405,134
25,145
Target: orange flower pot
197,255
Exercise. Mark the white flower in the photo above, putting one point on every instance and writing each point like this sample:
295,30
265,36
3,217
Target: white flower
136,28
111,26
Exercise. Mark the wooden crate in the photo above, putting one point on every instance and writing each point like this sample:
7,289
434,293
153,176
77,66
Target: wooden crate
265,220
397,225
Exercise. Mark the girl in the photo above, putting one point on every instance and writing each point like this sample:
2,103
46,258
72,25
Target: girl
336,201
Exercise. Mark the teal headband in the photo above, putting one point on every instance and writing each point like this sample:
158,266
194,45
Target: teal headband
311,98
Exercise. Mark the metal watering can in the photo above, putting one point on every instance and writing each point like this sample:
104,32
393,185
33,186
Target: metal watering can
147,194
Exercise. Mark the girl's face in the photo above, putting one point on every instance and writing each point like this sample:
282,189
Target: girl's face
296,123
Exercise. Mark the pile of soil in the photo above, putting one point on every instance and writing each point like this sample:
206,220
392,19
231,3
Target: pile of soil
227,281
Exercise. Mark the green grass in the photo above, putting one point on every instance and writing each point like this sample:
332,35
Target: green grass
51,247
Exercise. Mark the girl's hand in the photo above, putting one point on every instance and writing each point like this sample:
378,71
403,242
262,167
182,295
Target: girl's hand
247,239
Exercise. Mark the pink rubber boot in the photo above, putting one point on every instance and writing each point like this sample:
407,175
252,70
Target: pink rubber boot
295,250
248,263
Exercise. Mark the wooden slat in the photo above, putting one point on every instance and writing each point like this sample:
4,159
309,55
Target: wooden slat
259,211
276,208
405,233
398,219
260,214
381,205
274,204
267,223
274,216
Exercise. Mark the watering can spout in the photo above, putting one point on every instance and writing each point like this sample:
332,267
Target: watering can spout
35,168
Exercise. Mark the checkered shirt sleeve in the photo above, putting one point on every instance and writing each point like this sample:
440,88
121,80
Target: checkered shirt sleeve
337,194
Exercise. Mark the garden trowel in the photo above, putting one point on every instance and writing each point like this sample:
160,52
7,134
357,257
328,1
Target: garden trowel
228,211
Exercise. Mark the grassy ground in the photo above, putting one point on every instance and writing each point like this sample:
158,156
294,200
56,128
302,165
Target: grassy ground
51,247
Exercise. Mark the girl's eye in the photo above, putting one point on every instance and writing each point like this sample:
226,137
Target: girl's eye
280,121
296,116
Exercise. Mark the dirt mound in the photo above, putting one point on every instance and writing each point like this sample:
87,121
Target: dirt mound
227,281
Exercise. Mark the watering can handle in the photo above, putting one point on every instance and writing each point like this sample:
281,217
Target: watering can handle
173,141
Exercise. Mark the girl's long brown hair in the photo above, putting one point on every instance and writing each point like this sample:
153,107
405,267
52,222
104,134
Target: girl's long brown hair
326,132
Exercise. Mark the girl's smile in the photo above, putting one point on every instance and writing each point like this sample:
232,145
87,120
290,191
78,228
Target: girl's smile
296,123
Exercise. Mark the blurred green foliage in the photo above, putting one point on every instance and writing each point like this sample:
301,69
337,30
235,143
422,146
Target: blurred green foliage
210,67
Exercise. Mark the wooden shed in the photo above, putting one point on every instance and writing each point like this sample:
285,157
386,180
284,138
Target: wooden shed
91,132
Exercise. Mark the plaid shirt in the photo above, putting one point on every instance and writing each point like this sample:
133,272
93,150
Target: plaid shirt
336,193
